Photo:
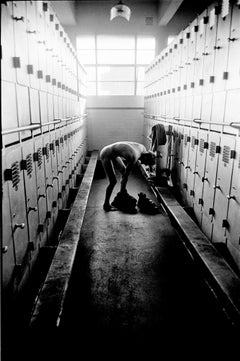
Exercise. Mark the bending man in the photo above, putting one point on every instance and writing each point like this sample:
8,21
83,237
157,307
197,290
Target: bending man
111,157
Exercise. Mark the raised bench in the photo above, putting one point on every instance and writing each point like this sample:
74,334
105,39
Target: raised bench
49,303
224,281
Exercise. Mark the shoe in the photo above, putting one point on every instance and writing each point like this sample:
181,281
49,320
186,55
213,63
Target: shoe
146,205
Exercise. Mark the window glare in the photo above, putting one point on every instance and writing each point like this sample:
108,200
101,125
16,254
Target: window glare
115,64
115,42
115,56
86,42
145,43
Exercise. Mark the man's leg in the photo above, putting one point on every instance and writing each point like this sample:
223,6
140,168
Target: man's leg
112,182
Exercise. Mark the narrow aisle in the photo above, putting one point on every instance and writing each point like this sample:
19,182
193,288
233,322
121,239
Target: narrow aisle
133,284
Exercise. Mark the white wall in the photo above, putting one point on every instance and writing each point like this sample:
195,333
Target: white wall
112,119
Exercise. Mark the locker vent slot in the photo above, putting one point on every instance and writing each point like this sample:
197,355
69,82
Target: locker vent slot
29,162
39,152
46,151
212,150
201,146
185,139
239,162
15,174
226,154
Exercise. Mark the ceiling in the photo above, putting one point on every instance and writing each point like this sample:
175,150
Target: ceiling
170,12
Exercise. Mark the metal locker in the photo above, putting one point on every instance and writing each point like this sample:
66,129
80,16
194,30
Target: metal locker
200,50
8,70
232,111
13,176
41,187
197,104
221,53
23,106
210,48
233,70
8,252
222,187
193,28
48,19
32,44
200,178
184,162
43,110
30,185
218,110
9,112
208,211
49,182
34,109
233,215
41,41
21,42
206,110
191,170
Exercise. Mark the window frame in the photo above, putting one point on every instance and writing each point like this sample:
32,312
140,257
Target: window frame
135,65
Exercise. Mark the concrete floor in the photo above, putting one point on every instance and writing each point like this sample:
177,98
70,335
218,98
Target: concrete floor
135,290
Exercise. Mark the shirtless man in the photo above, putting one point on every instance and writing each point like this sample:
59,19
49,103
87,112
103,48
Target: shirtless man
111,156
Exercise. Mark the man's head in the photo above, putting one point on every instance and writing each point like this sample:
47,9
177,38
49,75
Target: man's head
148,158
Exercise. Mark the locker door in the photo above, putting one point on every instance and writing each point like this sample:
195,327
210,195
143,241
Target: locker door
9,111
218,110
232,110
32,44
41,186
34,109
30,183
206,109
49,182
48,49
191,56
197,104
234,50
199,179
178,163
233,229
200,50
41,41
8,252
191,170
23,106
43,110
223,183
21,43
8,71
14,179
221,54
185,162
210,49
209,184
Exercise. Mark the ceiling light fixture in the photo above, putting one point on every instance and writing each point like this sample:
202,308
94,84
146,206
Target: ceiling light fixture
120,10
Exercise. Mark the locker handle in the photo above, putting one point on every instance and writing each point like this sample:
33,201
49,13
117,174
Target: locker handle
49,185
231,197
18,18
204,179
19,225
32,209
181,163
60,171
41,196
205,53
188,167
4,249
216,187
31,31
217,47
196,172
56,178
232,39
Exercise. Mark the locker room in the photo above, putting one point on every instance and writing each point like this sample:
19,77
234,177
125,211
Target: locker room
103,252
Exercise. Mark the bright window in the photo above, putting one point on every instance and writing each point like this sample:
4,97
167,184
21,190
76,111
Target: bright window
115,64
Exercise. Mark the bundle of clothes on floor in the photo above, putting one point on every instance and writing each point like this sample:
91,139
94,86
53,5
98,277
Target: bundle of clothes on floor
128,204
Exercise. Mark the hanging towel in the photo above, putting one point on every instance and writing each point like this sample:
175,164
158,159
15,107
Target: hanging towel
158,136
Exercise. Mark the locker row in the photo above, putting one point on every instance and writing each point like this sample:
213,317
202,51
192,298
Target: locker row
24,106
37,177
205,168
36,51
202,58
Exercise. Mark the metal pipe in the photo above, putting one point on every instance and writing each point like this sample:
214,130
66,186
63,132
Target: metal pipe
55,121
21,129
231,124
